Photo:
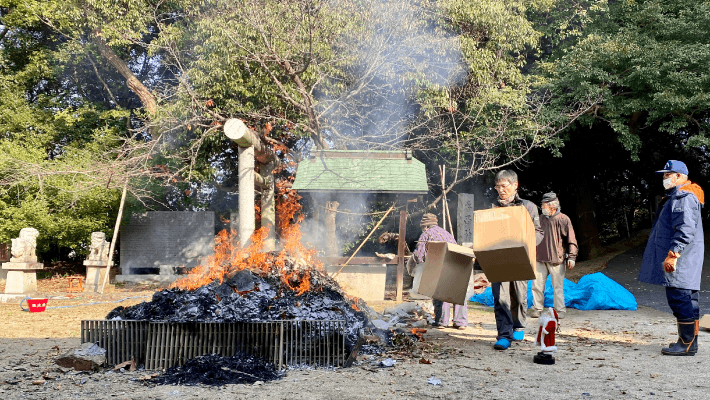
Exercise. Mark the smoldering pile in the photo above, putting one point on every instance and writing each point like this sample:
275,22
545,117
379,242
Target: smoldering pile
249,297
214,370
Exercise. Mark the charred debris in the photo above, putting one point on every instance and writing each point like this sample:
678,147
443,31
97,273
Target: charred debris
247,296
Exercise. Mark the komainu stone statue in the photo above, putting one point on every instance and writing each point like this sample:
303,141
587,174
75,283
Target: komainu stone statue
98,250
23,248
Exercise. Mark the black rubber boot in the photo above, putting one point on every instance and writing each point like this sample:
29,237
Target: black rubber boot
687,344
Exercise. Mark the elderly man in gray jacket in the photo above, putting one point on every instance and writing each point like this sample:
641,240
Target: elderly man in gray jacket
557,251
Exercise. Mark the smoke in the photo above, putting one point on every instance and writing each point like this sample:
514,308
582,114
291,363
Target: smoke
353,219
400,50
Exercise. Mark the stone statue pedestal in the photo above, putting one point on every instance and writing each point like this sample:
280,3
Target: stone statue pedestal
95,273
21,277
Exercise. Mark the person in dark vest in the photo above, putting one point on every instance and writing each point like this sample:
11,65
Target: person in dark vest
510,299
674,254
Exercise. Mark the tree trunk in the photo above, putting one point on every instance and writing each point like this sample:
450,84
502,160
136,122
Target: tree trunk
132,82
588,235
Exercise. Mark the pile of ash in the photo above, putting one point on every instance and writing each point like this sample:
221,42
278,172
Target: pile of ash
248,297
214,370
406,315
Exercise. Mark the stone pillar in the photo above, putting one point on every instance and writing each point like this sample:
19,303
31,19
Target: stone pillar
464,220
21,277
95,273
247,216
268,208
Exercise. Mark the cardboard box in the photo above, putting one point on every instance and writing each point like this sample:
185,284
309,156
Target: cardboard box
504,243
705,322
447,271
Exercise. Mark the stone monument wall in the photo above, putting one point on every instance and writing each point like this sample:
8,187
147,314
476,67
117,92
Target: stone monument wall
464,220
156,241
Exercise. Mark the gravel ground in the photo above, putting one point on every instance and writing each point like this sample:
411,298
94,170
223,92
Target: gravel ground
603,354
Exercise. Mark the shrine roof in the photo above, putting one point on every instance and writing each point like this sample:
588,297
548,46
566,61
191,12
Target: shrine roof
361,171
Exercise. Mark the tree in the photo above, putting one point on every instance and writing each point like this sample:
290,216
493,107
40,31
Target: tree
647,61
63,136
445,78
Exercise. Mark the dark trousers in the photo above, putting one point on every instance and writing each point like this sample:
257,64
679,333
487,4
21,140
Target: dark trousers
684,303
510,304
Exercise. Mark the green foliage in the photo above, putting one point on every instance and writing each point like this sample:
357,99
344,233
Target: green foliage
243,57
53,142
493,116
647,62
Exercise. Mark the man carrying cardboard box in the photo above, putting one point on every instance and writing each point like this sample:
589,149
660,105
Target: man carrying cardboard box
510,299
559,239
431,232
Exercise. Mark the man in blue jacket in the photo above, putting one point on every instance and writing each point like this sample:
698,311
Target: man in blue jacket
674,254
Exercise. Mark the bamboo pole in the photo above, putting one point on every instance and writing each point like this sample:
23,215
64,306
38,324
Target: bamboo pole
115,236
445,206
364,241
400,253
443,194
448,215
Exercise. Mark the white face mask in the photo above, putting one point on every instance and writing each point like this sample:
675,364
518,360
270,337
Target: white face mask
546,212
668,183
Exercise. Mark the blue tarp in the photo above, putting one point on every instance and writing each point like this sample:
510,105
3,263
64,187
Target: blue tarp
593,292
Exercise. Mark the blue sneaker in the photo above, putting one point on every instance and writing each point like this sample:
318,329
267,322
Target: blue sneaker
501,344
518,335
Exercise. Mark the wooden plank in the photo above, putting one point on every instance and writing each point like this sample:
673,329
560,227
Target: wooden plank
384,155
400,253
358,261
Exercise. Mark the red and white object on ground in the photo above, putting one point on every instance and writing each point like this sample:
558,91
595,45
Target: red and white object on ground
34,305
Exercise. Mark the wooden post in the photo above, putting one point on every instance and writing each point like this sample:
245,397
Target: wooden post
115,236
268,209
443,198
331,245
400,253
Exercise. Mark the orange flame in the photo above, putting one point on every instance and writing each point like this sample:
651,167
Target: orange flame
288,219
292,264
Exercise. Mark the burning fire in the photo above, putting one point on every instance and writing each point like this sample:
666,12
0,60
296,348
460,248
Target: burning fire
291,264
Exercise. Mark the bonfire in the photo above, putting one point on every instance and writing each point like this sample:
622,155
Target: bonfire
245,284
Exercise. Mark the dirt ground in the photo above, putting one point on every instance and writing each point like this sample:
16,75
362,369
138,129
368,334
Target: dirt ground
602,354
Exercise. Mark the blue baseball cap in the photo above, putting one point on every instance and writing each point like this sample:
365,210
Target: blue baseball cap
674,166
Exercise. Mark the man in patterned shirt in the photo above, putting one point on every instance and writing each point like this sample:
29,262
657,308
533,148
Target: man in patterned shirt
431,232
